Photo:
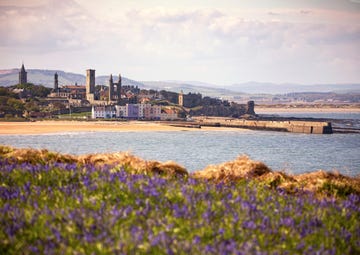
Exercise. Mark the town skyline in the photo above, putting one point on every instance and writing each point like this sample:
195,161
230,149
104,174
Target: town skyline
305,42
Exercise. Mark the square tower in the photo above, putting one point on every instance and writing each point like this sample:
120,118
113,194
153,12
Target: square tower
90,81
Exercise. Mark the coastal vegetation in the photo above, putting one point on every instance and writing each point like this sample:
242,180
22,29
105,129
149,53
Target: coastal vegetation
119,203
17,100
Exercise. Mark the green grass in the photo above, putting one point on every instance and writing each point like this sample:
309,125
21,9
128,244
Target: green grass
80,115
117,204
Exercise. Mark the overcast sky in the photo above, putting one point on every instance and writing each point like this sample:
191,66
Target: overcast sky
220,42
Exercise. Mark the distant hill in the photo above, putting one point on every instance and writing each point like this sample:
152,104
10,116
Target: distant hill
40,77
187,88
271,88
46,77
251,88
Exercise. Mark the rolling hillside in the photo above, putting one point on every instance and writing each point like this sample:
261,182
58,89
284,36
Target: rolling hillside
46,77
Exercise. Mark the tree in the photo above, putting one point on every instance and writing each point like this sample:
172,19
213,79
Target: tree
16,104
58,105
35,90
7,92
32,106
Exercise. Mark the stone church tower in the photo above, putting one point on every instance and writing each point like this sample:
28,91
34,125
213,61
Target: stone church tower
112,95
118,89
111,88
181,98
250,108
56,82
90,85
22,75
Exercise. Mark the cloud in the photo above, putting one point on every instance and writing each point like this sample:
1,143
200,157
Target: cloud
208,40
305,12
159,42
45,26
273,13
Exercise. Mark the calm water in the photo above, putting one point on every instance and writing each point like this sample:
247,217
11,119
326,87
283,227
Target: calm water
294,153
323,115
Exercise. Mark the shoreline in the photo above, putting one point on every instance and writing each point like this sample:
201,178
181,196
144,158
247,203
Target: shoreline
61,126
51,127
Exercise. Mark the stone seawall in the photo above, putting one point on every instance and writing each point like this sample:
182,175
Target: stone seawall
294,126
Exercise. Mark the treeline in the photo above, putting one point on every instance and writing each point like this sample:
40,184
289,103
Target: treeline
17,99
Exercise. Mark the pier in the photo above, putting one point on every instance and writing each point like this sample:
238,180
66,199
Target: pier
283,125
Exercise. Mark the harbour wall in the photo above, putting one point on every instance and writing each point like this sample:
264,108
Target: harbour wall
294,126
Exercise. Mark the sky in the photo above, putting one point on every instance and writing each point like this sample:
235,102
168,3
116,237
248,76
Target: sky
219,42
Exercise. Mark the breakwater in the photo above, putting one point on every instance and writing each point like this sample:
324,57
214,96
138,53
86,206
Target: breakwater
294,126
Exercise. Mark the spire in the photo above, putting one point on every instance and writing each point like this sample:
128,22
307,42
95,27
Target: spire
56,82
22,75
111,88
118,89
119,79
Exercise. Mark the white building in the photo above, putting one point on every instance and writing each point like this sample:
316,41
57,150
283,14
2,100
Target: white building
121,111
103,112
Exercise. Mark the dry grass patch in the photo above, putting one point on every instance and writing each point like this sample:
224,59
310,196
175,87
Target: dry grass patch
134,164
130,162
320,182
240,168
329,183
34,156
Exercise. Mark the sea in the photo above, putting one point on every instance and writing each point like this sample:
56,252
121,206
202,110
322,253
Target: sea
289,152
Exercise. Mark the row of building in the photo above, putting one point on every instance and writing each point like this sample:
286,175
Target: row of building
133,111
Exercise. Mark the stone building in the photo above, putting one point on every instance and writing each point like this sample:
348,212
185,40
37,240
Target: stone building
67,91
111,88
118,89
22,75
112,95
56,82
190,100
250,108
181,99
90,85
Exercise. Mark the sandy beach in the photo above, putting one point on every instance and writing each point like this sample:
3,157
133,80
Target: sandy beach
44,127
50,126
